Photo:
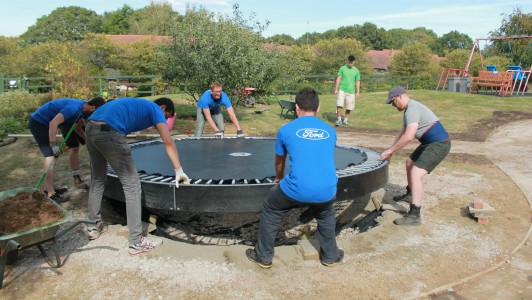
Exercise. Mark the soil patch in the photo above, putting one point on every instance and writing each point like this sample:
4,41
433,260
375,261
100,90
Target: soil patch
478,132
27,210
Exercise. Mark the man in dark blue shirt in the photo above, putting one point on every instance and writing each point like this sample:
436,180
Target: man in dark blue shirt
106,141
310,144
61,114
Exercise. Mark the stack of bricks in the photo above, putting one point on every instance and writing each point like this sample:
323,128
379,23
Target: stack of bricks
479,209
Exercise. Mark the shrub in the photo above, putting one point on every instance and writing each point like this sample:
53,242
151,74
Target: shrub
15,110
18,104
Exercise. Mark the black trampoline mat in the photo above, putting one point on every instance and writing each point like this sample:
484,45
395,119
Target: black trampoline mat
225,159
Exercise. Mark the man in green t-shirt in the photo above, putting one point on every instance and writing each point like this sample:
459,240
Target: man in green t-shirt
348,77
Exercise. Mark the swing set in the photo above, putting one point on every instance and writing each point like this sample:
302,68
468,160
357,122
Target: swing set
520,77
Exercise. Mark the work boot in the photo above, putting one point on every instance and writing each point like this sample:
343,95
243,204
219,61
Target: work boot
57,198
412,218
406,197
80,183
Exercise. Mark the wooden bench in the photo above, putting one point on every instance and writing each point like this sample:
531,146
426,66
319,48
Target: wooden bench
289,105
493,81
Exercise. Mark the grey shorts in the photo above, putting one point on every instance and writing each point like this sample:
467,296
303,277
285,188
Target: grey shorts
428,156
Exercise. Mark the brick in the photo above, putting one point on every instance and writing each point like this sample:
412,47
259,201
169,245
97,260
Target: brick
482,220
308,250
478,204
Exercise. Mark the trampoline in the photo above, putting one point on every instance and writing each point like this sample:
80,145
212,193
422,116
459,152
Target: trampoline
230,179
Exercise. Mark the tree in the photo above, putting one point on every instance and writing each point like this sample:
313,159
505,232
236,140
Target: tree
282,39
209,47
412,60
518,50
99,51
63,24
137,58
331,54
157,18
452,41
117,22
372,37
398,37
12,56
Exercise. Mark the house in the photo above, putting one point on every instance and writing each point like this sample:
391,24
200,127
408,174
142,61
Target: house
380,59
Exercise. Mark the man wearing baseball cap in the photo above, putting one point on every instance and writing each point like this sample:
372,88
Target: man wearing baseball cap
421,123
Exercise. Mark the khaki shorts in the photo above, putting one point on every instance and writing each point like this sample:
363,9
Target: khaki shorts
348,99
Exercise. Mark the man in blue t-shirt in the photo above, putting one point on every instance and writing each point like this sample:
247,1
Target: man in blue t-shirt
310,144
420,123
106,141
210,111
61,114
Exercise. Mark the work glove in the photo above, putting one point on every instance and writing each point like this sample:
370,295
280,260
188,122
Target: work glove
239,134
180,175
219,134
55,149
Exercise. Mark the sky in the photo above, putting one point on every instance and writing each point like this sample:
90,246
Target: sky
475,18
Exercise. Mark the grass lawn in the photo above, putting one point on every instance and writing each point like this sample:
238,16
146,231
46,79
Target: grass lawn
460,113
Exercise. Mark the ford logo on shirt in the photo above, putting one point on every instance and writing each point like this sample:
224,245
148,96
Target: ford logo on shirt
312,134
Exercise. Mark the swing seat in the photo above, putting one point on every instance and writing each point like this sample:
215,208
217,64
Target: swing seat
517,71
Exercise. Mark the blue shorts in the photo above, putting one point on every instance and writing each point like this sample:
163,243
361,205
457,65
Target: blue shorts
41,134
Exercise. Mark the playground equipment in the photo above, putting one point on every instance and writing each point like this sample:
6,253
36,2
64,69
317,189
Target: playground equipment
520,77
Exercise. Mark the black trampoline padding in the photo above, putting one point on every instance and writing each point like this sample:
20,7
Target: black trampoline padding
232,175
207,158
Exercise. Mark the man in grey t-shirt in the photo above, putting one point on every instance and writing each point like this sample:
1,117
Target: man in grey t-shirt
421,123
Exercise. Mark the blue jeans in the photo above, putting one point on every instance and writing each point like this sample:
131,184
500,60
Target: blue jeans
105,145
218,119
276,207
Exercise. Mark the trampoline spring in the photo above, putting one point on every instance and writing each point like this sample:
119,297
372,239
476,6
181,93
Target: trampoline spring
257,181
245,181
269,180
233,182
197,181
209,181
157,178
167,179
221,182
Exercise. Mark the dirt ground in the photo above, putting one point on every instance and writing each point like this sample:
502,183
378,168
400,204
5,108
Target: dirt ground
450,256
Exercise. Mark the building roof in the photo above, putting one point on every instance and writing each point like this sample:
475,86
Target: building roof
380,59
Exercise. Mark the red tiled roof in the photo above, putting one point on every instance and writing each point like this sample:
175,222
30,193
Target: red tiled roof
380,59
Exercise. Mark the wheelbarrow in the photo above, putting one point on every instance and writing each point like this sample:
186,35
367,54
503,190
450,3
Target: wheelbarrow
36,236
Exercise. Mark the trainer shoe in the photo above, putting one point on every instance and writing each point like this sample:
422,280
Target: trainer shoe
57,198
406,197
252,255
338,122
339,259
146,244
94,231
345,123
